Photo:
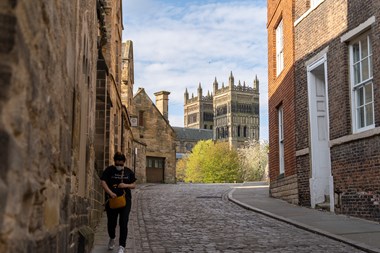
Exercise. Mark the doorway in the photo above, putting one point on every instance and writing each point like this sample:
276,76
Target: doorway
155,169
321,181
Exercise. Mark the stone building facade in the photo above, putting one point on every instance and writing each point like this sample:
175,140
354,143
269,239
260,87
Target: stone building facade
232,112
198,111
153,130
111,118
135,149
60,67
336,104
187,138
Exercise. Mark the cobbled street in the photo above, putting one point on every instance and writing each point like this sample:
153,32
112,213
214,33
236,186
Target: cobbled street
200,218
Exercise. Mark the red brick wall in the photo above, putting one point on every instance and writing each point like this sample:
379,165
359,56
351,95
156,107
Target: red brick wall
303,175
301,6
360,11
322,27
355,164
281,92
356,167
283,96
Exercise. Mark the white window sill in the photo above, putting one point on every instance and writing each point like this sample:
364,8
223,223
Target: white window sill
307,13
355,136
357,30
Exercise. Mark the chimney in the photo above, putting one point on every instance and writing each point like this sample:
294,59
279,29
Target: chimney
162,102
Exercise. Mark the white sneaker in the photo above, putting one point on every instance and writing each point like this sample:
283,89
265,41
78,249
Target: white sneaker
111,244
121,249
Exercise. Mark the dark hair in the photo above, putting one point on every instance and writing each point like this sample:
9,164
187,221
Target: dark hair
119,157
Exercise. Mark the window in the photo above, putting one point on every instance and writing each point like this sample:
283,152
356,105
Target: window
279,48
281,139
141,118
192,118
314,3
155,162
361,84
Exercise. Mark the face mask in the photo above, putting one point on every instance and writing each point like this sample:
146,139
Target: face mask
119,168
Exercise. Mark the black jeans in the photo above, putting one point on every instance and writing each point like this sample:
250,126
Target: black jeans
123,214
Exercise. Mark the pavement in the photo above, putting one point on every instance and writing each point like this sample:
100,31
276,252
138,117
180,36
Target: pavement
359,233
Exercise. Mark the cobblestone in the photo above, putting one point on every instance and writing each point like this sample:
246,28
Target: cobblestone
199,218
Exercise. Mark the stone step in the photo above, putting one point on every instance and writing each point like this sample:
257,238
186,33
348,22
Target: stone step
325,205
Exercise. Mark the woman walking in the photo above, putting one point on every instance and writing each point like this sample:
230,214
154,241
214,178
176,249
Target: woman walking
118,180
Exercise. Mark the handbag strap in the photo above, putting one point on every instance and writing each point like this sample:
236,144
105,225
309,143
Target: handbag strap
122,176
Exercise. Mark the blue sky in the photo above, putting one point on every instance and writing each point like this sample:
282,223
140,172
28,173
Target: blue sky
181,43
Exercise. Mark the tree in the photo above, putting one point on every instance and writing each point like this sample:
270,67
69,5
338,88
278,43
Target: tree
181,169
211,162
253,160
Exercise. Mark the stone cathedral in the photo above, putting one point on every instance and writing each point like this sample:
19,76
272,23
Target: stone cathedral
232,112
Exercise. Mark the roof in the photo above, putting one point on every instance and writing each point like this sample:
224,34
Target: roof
193,133
142,92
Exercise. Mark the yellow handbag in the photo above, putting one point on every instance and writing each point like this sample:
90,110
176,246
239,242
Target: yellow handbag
119,201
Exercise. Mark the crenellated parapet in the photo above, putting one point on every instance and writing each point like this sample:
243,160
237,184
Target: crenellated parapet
232,110
203,98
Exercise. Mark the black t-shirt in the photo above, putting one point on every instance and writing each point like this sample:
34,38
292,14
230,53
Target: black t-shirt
112,177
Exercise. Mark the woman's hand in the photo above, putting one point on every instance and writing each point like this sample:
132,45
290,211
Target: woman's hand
122,185
125,186
113,195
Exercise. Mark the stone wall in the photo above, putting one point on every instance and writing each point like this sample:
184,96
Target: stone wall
139,167
49,189
286,189
154,131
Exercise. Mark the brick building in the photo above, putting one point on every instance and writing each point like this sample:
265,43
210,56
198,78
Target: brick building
61,120
281,89
232,112
336,104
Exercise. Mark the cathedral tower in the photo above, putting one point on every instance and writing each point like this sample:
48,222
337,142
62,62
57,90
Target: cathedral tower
233,110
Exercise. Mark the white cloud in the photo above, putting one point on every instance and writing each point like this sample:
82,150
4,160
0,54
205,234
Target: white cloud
177,45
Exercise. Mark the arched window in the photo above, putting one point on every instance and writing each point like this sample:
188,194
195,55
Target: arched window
238,131
245,132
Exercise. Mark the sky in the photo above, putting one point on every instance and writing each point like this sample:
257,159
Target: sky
178,44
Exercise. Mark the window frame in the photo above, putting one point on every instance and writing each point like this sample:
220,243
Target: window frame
314,3
141,119
358,85
279,36
281,153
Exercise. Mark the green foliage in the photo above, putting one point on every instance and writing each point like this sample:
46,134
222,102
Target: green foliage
181,169
212,162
